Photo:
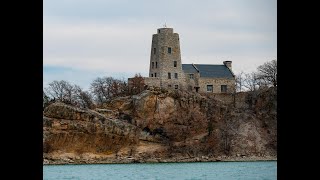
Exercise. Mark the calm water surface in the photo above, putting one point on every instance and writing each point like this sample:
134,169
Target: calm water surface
206,170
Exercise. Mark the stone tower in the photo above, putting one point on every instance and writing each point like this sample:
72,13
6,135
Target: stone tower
165,59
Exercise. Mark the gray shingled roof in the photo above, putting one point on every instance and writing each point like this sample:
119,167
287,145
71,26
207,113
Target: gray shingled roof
188,68
208,70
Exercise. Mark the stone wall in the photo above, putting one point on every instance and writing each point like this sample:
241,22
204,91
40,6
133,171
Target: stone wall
216,82
152,81
192,82
185,82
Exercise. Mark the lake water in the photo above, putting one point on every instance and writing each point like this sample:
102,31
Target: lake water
205,170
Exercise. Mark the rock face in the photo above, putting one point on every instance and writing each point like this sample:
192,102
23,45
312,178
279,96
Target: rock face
171,115
70,129
161,126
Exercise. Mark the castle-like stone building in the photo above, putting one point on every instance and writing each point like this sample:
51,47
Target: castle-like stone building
167,71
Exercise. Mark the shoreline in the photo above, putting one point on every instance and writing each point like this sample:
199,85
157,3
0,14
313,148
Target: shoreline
156,160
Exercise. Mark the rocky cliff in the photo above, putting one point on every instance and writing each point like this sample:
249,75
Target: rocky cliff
161,126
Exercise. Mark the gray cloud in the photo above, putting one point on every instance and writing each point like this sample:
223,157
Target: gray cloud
115,36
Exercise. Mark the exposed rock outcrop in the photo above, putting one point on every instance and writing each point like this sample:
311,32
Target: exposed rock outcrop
70,129
161,126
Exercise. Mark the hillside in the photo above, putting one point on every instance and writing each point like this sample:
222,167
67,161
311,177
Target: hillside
161,126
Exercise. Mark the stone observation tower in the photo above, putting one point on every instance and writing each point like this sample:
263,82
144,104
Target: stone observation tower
165,58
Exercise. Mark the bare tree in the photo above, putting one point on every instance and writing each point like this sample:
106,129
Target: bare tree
106,88
268,73
60,91
55,90
68,93
46,100
251,81
240,81
118,88
124,89
227,131
137,84
63,91
82,98
99,90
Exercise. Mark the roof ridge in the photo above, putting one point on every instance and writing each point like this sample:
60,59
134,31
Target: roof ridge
231,71
195,67
212,64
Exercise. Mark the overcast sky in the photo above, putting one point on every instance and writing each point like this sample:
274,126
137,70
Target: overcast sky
86,39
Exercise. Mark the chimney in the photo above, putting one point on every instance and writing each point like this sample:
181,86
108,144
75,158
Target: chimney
228,64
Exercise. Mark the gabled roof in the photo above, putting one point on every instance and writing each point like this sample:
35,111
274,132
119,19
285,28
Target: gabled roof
208,70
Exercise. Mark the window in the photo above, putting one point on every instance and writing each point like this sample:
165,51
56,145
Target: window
156,64
155,74
152,65
175,86
169,50
154,50
197,89
209,88
191,76
151,75
169,75
174,63
176,75
223,88
169,85
158,30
